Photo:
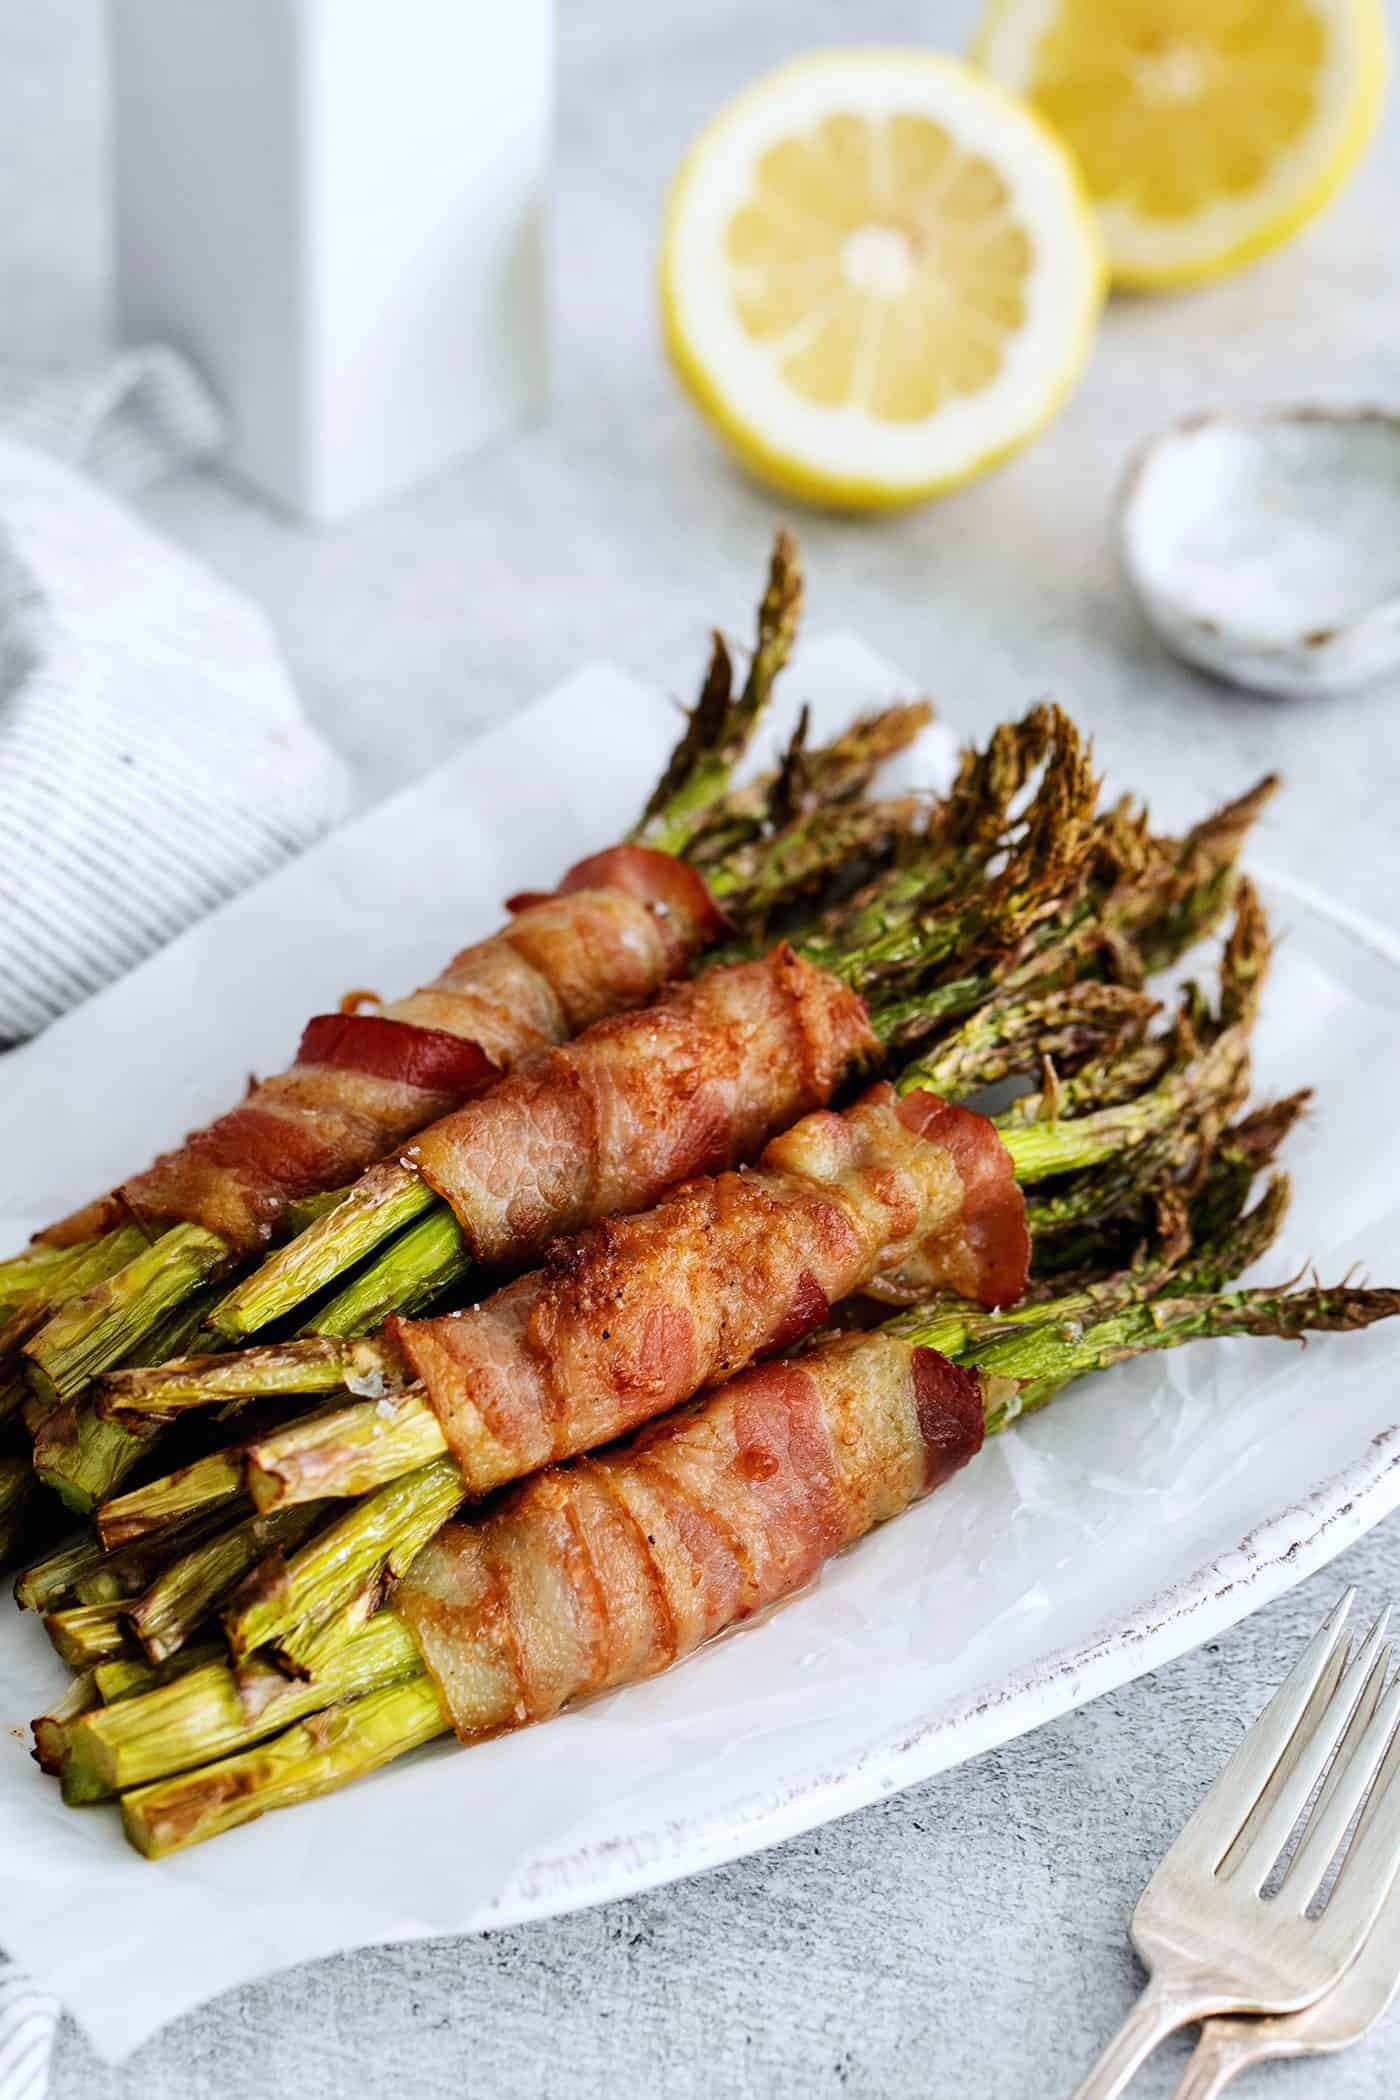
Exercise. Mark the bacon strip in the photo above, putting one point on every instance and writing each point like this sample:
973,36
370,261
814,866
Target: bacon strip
605,1570
622,924
690,1085
423,1057
637,1314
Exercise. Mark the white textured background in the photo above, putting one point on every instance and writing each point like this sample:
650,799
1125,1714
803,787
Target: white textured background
965,1941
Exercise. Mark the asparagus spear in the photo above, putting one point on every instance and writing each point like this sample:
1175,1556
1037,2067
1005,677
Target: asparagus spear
82,1571
315,1756
387,1197
305,1210
1017,1373
374,1542
721,726
413,1271
85,1634
24,1274
87,1334
130,1675
207,1485
207,1713
1081,1021
52,1729
355,1448
198,1582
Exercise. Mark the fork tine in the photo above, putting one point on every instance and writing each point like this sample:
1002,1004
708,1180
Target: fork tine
1302,1735
1377,1793
1369,1868
1217,1822
1357,1761
1258,1857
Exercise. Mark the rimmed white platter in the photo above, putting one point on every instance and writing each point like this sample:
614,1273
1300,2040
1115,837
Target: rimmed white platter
1144,1512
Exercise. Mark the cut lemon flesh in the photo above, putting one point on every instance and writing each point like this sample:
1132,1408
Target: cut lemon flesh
1208,131
879,275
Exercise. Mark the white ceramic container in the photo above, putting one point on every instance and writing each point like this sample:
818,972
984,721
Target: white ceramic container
1266,548
336,208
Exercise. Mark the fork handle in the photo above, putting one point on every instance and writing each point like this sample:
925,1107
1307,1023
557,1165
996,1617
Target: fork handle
1226,2048
1158,2012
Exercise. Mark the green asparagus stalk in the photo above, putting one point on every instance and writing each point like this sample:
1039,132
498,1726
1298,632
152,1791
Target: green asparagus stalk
1018,1373
44,1276
87,1334
1043,1149
1167,919
184,1595
314,1757
208,1713
305,1210
415,1270
1044,1361
355,1449
1241,1153
85,1634
82,1457
307,1650
129,1675
24,1274
49,1582
1082,1021
374,1541
82,1571
313,1364
207,1486
52,1729
776,873
829,776
721,726
383,1200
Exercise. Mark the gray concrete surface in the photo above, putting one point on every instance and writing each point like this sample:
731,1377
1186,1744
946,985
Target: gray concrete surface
966,1940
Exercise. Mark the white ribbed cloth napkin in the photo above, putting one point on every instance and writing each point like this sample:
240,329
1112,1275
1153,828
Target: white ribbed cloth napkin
28,2019
154,758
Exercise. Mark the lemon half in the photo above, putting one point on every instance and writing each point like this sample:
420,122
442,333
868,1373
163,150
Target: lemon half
879,275
1209,131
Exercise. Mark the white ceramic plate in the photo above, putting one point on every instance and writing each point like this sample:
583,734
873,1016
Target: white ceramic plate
1141,1514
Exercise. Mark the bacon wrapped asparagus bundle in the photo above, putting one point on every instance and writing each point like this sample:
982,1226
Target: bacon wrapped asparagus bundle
605,1570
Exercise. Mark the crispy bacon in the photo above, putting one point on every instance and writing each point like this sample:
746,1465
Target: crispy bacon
993,1253
621,925
422,1057
636,1314
690,1085
604,1570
